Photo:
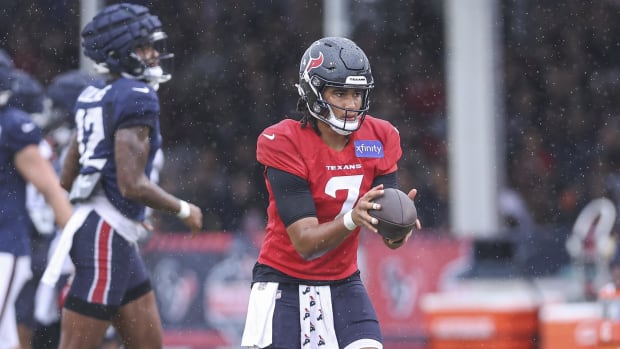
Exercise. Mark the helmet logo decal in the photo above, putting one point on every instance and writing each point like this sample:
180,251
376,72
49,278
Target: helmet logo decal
314,62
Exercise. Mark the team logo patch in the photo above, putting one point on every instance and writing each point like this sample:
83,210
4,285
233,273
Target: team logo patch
315,62
368,149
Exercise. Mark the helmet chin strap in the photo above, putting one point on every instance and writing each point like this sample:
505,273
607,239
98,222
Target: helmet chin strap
333,120
152,76
155,76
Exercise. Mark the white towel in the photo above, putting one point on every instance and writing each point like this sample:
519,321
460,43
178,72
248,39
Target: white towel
316,319
46,309
259,319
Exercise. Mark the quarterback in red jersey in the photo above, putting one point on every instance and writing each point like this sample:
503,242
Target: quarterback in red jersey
322,174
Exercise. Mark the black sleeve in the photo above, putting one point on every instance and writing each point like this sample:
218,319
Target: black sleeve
292,195
389,180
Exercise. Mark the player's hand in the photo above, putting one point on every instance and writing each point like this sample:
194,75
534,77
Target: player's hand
394,244
418,225
194,220
360,214
148,226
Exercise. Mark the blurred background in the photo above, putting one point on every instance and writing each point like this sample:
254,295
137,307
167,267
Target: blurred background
555,68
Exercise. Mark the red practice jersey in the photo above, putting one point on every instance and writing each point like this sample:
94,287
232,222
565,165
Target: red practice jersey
336,179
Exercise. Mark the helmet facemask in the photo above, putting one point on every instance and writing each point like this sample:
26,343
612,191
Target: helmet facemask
311,89
156,70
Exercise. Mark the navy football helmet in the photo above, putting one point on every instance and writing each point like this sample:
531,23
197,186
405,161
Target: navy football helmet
27,93
113,35
65,88
62,92
337,62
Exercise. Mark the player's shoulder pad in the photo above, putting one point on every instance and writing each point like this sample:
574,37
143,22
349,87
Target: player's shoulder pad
16,119
135,96
18,125
381,124
384,132
275,134
276,145
133,88
379,128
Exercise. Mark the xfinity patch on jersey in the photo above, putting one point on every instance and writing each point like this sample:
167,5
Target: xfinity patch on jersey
368,149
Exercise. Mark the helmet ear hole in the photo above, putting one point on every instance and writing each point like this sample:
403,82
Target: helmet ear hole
113,59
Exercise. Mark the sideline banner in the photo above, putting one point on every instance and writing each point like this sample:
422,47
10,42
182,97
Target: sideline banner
397,279
203,284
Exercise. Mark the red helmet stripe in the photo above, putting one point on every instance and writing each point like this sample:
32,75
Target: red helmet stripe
315,62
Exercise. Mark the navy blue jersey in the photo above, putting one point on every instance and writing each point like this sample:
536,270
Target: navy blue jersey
99,113
17,131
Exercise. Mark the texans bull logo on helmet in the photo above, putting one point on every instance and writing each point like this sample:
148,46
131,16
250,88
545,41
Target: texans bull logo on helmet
315,62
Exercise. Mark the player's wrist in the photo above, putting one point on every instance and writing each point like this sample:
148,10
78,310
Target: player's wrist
184,209
348,221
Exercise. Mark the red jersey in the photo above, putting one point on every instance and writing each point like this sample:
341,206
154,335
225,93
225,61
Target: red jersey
336,180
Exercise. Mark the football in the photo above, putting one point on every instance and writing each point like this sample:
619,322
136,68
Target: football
397,215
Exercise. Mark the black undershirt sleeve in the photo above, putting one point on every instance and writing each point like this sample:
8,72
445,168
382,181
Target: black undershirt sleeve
292,195
389,180
294,199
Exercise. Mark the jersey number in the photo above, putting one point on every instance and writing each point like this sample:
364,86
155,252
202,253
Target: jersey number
90,133
351,184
